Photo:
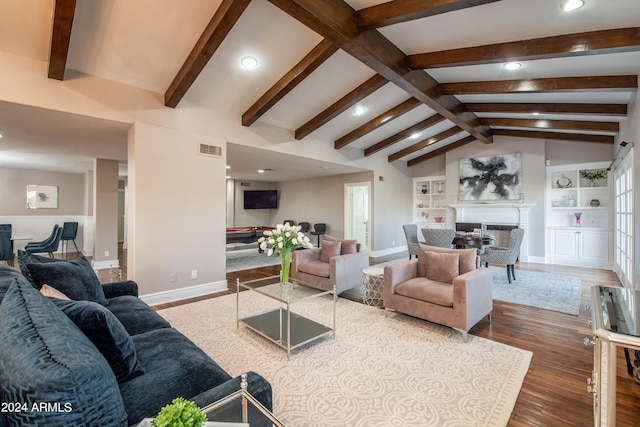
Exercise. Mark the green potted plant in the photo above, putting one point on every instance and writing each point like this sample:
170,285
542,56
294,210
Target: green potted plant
179,413
593,175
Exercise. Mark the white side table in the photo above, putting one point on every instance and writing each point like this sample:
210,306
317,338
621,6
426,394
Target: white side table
373,281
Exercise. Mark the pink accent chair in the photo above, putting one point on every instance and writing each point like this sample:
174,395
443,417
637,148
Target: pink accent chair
338,262
443,286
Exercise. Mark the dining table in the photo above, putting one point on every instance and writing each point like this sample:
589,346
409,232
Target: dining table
472,240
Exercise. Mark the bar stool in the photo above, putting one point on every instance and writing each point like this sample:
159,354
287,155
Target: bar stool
318,230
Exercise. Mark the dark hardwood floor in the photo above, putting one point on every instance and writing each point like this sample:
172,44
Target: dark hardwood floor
554,392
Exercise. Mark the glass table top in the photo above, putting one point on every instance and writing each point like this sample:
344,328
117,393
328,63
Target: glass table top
620,309
284,292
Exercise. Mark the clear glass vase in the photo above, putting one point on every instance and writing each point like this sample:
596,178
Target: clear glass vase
285,261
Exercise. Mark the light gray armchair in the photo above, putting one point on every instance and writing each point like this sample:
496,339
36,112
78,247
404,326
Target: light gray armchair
505,255
443,286
413,244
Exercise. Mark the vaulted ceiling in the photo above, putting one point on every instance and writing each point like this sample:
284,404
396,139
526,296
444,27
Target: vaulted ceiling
427,75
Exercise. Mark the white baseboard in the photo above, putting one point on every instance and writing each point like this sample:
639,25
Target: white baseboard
390,251
536,260
109,263
164,297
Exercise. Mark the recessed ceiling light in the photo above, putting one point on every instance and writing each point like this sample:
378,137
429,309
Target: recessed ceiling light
415,135
570,5
228,167
249,62
512,66
260,170
535,113
359,111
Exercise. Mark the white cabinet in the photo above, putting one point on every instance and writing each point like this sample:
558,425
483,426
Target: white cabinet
580,246
578,215
430,201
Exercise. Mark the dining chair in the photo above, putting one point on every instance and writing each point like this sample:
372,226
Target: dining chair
413,244
6,251
505,255
69,232
441,237
48,248
44,242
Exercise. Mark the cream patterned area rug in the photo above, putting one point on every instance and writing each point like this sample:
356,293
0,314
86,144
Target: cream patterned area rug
380,370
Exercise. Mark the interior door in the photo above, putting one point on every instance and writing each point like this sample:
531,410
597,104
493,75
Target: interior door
356,215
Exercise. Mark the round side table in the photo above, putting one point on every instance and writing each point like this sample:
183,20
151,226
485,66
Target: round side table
372,283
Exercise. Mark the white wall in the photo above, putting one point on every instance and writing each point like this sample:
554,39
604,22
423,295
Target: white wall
177,212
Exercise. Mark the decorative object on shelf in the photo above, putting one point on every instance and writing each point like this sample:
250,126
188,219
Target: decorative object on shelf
180,412
438,218
282,241
425,215
555,203
593,175
490,178
564,182
424,190
594,203
571,202
578,215
420,205
439,188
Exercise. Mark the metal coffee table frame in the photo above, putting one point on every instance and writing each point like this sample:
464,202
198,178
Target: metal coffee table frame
281,326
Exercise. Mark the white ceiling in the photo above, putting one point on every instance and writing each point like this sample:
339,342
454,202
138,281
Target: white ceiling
144,43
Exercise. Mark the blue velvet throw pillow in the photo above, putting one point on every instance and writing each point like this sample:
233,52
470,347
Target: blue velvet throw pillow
50,369
76,279
25,258
107,333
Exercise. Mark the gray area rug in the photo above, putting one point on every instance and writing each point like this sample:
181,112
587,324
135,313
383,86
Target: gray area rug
538,289
244,259
380,370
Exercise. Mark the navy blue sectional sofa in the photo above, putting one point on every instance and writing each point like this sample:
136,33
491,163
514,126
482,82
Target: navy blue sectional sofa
102,358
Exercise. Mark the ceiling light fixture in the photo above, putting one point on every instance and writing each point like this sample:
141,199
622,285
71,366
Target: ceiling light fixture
260,170
228,167
249,62
571,5
359,111
512,66
415,135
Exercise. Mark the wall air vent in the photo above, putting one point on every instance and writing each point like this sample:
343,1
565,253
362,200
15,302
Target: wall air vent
245,184
210,150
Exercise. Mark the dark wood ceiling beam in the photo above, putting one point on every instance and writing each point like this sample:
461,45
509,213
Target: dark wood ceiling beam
568,45
220,25
384,118
570,84
406,133
397,11
582,137
318,55
441,150
552,124
553,108
350,99
424,143
61,37
335,19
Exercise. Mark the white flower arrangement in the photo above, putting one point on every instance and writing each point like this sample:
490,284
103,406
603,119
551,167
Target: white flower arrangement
284,238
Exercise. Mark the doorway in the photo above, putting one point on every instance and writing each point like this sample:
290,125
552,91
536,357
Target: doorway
357,225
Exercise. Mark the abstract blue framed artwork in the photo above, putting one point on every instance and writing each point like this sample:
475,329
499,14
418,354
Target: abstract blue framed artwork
493,178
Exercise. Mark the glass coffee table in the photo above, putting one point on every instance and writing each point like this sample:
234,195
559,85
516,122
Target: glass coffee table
240,409
281,325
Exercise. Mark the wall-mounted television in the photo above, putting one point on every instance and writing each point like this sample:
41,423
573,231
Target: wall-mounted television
260,199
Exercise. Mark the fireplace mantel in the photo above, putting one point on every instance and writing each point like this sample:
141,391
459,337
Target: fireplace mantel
499,214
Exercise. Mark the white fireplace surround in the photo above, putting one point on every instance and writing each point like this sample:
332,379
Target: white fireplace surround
498,214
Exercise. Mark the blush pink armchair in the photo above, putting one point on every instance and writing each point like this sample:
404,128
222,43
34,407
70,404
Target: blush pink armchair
443,286
338,262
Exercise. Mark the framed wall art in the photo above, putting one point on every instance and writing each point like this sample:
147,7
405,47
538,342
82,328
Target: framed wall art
493,178
42,197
